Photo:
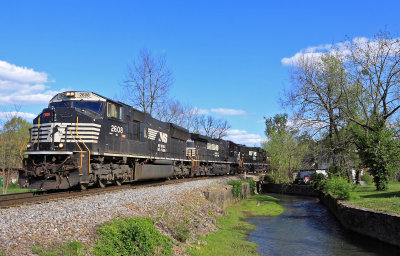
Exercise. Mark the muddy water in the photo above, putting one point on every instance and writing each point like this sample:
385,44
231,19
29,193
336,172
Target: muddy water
308,228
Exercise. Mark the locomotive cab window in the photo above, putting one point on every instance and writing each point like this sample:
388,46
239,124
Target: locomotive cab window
95,106
113,110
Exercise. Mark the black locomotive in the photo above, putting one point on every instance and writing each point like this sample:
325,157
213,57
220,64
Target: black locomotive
85,139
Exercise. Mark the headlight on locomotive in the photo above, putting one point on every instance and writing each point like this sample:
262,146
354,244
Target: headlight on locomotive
29,145
61,145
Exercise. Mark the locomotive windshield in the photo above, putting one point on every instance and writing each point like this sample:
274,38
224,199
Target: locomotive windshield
60,104
95,106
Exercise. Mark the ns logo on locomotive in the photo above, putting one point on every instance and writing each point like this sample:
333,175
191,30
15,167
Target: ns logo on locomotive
84,139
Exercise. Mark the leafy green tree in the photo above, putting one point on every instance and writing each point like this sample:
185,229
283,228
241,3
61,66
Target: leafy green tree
378,151
373,66
13,137
284,149
315,98
353,94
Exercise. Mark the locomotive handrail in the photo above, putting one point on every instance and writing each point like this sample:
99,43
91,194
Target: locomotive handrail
76,129
196,160
22,149
78,147
37,135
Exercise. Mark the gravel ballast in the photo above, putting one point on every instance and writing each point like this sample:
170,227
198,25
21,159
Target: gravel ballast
77,219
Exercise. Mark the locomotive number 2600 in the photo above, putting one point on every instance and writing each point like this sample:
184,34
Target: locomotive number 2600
118,129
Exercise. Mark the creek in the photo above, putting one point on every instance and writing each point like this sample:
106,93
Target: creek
308,228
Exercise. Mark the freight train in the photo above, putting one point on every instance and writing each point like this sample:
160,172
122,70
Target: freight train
83,139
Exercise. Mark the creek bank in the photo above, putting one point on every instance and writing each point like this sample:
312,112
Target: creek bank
379,225
233,228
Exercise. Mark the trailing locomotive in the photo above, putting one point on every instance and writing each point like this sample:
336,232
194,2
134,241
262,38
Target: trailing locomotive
84,139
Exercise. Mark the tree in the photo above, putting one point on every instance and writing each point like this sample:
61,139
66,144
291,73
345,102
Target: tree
316,96
353,92
13,137
148,81
373,66
286,151
171,111
146,86
212,127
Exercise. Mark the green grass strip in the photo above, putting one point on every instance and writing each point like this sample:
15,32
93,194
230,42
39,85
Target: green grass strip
231,237
386,201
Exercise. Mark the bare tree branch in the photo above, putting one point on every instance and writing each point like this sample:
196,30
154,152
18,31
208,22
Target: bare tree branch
147,82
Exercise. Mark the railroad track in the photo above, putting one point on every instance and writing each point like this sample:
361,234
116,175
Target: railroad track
38,197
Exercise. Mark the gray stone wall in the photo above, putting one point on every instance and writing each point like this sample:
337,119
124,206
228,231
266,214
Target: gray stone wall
303,190
223,195
382,226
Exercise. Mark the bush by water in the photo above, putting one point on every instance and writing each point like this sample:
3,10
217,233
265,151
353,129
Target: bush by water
339,187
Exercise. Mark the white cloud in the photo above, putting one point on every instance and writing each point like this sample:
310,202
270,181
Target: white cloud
23,86
7,115
243,137
228,111
201,111
315,52
14,73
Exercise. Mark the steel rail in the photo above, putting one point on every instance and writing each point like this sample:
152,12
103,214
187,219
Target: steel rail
38,197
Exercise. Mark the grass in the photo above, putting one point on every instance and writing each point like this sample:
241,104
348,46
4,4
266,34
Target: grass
14,188
72,248
230,239
386,201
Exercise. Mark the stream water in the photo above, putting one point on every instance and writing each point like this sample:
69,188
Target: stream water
308,228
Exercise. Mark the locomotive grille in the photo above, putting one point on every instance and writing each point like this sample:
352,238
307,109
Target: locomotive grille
88,132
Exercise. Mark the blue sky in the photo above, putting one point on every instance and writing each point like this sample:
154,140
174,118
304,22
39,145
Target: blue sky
224,54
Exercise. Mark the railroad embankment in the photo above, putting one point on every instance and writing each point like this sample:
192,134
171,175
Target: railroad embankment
376,224
181,212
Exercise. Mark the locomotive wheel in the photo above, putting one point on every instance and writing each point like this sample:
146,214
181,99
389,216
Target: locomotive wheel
101,183
118,182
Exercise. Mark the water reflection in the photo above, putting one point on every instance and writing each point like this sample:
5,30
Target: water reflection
308,228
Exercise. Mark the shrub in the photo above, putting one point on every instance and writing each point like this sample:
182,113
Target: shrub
277,178
367,178
252,184
237,186
131,236
318,181
339,187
